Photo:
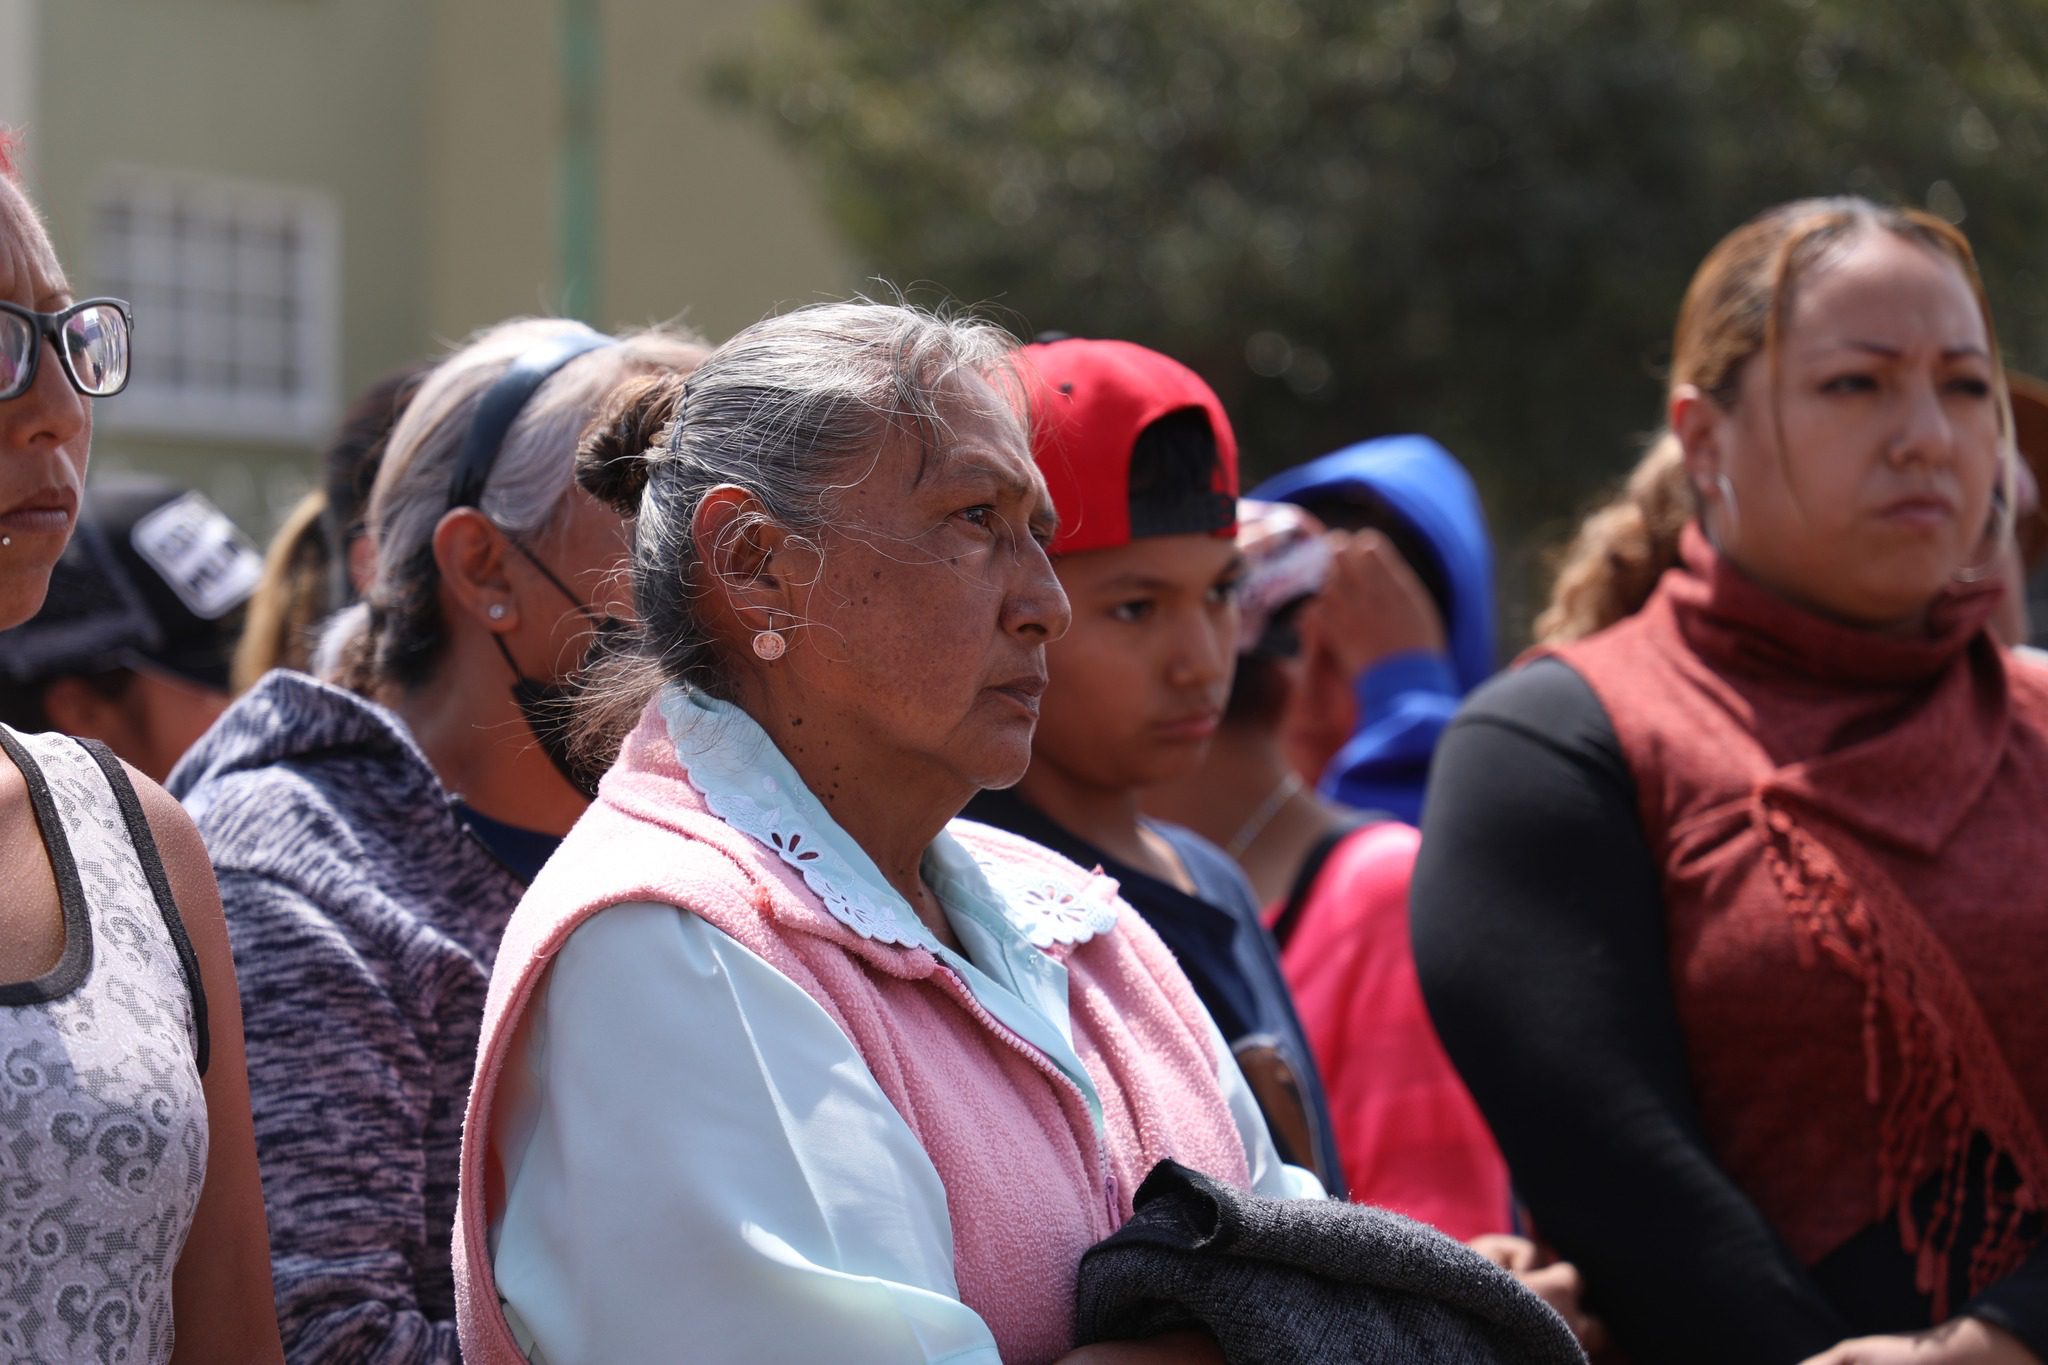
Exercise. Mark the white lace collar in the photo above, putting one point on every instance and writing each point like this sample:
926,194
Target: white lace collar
748,784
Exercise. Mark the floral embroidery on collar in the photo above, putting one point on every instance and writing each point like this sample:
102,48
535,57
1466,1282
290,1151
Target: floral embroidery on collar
747,783
1059,913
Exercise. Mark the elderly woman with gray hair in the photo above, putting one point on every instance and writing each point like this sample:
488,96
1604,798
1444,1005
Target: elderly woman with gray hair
780,1061
372,838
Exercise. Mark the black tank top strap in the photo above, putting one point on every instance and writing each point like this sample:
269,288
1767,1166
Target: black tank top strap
76,959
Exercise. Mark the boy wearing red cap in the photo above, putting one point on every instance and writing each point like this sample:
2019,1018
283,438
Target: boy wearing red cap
1142,465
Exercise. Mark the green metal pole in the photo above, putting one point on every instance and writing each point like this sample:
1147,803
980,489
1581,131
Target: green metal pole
576,183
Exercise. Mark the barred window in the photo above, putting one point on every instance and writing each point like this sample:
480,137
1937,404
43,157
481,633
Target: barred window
237,304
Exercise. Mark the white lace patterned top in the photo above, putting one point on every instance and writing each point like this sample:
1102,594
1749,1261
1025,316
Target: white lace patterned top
102,1120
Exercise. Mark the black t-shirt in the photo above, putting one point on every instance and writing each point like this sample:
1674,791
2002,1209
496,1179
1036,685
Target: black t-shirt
1539,936
521,851
1229,959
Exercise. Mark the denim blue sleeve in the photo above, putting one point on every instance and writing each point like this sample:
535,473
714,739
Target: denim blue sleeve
1404,703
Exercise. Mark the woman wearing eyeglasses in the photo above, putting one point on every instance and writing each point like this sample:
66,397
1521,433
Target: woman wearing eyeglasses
372,837
131,1220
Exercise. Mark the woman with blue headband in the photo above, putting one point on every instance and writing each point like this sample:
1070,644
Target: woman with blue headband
373,831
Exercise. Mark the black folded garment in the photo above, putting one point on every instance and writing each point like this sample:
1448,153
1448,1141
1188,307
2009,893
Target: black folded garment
1279,1281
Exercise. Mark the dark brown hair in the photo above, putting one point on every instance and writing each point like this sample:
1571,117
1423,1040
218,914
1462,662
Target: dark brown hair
348,467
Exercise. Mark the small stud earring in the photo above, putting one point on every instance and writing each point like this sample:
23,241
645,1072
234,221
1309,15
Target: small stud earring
5,541
497,611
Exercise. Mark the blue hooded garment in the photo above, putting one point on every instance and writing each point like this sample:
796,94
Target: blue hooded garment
1405,701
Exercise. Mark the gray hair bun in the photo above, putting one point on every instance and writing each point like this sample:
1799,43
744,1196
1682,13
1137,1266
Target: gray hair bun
618,450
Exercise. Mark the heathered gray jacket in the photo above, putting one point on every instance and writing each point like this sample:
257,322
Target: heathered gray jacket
1306,1282
364,918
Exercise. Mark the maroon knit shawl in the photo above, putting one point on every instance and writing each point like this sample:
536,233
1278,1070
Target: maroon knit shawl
1850,830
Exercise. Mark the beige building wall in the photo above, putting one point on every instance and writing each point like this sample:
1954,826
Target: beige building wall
434,130
703,215
19,50
324,98
491,137
704,209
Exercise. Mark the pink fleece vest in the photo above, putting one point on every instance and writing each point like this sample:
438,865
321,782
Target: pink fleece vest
1028,1185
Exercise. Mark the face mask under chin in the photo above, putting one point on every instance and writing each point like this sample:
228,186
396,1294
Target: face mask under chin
548,706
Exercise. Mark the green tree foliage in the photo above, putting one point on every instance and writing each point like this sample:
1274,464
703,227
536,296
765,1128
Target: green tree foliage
1472,218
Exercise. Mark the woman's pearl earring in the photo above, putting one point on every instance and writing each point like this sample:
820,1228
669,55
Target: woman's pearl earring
497,611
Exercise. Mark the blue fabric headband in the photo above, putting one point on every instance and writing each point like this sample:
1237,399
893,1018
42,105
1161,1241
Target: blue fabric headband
501,406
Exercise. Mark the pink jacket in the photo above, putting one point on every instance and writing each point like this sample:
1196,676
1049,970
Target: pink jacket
1411,1137
1028,1184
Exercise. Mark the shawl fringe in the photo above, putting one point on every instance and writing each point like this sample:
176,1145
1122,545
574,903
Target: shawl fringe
1949,1083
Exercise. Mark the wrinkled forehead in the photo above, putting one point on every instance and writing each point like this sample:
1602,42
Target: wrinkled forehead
29,271
994,396
972,415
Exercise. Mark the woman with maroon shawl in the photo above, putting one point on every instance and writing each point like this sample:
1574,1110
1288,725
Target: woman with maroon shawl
1734,913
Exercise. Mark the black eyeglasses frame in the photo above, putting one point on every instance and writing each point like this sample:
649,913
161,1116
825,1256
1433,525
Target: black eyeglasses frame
50,327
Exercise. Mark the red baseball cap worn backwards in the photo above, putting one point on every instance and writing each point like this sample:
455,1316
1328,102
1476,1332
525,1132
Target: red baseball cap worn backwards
1090,401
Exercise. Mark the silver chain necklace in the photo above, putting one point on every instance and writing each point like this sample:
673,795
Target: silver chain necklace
1255,824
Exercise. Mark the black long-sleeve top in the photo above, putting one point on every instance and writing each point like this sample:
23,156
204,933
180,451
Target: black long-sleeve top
1539,937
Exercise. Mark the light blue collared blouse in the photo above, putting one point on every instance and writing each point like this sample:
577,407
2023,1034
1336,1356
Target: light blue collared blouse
761,1199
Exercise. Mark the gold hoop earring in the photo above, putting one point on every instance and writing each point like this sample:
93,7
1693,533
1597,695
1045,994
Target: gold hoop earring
1995,538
